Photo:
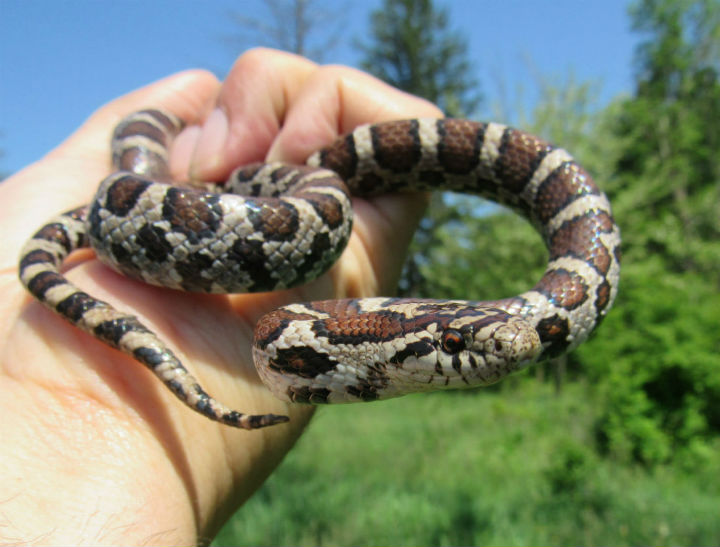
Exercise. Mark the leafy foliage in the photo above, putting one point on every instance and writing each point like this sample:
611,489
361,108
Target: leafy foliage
661,360
658,367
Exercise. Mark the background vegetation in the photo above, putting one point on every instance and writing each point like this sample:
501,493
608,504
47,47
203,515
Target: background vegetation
618,443
516,465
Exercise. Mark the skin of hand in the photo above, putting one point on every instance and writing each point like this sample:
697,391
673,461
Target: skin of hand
95,449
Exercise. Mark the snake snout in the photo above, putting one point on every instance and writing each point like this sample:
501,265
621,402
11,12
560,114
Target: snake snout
518,343
526,347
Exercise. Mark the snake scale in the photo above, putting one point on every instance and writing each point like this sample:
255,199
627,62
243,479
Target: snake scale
274,226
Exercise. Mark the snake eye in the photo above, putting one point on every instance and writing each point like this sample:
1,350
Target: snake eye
452,341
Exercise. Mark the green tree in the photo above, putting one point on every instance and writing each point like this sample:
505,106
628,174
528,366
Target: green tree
670,141
660,365
413,48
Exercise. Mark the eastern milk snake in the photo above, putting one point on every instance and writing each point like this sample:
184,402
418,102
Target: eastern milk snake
294,222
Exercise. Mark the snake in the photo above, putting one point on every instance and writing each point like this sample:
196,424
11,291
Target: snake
272,226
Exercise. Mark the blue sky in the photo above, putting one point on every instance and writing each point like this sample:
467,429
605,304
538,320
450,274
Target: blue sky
60,60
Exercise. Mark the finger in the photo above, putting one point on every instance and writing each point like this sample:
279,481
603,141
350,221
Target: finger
69,175
335,100
250,110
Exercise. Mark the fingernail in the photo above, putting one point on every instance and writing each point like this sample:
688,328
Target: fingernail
208,155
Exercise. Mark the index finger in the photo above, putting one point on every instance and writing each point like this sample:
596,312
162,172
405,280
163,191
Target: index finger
335,100
250,110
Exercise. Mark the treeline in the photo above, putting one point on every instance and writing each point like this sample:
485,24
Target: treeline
656,358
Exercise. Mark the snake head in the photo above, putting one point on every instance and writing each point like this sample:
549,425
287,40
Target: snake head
467,347
364,350
483,351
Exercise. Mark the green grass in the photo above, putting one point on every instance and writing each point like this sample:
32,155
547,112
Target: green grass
514,466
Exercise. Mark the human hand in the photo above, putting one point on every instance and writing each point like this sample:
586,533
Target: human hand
97,450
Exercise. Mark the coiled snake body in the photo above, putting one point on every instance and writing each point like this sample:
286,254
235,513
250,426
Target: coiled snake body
291,225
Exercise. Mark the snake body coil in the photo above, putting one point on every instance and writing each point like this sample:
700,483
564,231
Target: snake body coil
273,226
